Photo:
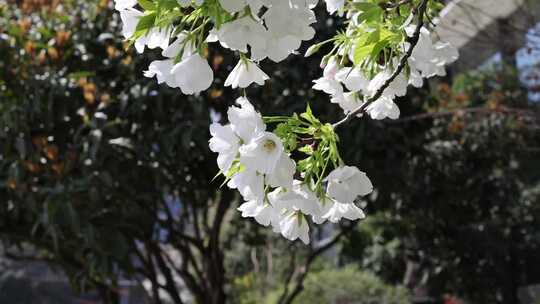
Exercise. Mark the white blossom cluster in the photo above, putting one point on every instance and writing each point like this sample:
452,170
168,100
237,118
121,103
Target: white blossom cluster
256,164
192,73
349,87
274,34
277,191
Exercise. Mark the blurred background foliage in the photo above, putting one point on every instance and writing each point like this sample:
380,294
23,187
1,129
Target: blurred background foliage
106,176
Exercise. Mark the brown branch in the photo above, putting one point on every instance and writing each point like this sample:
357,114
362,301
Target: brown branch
421,10
170,284
292,270
299,286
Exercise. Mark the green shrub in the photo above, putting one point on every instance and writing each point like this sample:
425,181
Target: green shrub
350,285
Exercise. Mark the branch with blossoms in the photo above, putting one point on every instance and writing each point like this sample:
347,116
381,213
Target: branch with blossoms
402,63
288,168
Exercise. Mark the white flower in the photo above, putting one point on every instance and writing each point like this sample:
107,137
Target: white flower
156,37
159,37
245,73
238,34
346,183
249,183
347,101
178,45
278,47
262,153
124,4
331,68
429,58
245,121
264,213
337,211
285,19
162,70
224,142
300,198
288,25
328,85
415,78
398,87
353,79
445,53
334,5
130,19
295,226
193,74
283,173
382,108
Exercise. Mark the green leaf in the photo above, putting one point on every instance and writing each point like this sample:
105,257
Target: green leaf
307,149
361,53
148,5
145,23
370,15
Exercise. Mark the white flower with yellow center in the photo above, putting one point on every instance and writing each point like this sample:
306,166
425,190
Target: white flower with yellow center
262,153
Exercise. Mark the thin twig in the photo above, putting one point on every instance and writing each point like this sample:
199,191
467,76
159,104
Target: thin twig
421,10
288,278
299,286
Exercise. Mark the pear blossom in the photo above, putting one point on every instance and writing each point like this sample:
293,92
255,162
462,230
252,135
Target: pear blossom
161,69
278,47
299,198
178,45
238,34
352,78
245,121
288,25
382,108
334,5
347,101
245,73
337,211
415,78
264,213
346,183
283,173
254,160
331,68
224,142
159,37
124,4
295,226
249,183
445,53
193,74
398,87
130,19
262,153
430,58
328,85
